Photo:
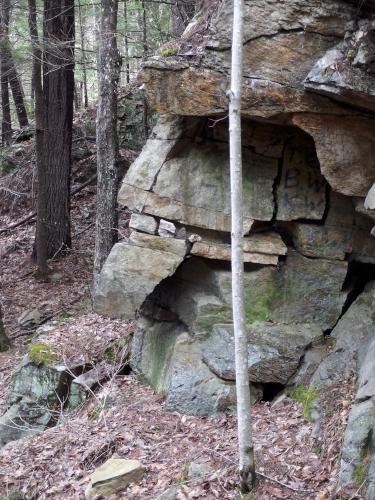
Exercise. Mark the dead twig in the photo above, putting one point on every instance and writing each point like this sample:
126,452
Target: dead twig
285,485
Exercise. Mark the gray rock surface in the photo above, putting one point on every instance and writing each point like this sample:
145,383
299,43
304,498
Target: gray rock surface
193,388
132,271
29,318
166,229
346,72
274,351
353,331
143,223
35,392
302,190
202,293
187,322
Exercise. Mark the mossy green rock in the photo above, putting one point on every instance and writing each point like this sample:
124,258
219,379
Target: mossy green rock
41,383
113,476
35,393
189,357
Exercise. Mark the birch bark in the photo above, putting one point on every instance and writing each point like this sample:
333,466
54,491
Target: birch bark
245,446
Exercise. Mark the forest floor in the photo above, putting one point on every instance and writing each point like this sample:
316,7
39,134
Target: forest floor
126,418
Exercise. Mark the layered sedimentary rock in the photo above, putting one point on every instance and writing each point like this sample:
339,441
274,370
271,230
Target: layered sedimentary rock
308,136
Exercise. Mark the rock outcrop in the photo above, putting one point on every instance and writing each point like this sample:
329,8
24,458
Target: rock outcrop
308,135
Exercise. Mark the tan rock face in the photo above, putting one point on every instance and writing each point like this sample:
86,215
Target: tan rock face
219,251
113,476
345,147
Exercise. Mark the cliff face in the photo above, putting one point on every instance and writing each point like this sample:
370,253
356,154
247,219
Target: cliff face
308,162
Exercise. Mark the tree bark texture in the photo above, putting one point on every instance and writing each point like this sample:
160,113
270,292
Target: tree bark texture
40,246
6,123
106,136
54,110
17,91
245,445
83,58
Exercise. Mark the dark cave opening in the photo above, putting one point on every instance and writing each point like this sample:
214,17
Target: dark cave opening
271,391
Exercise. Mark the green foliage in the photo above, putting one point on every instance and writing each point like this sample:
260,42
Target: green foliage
306,398
258,306
63,316
6,165
16,495
42,354
317,449
360,473
167,52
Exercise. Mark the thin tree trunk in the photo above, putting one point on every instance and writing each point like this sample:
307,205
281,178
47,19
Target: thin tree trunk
40,247
145,51
245,445
126,39
83,59
106,136
6,124
17,92
4,341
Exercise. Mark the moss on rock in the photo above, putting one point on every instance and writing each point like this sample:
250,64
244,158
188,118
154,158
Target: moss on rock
42,354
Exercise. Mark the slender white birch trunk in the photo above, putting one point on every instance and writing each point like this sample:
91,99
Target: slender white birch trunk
245,445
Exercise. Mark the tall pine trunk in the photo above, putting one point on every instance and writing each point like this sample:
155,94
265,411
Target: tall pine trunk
6,122
40,246
54,116
85,99
58,89
245,445
17,92
106,136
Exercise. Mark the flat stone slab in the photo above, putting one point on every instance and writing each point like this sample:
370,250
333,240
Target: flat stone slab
221,251
175,246
143,223
113,476
345,72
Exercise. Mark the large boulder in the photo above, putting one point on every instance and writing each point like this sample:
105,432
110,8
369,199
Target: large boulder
183,345
274,350
132,271
302,291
